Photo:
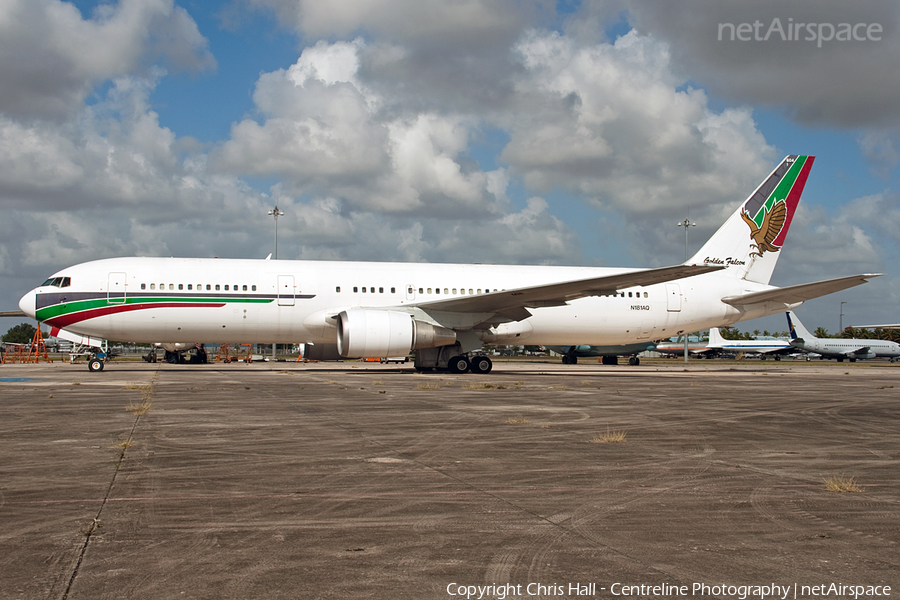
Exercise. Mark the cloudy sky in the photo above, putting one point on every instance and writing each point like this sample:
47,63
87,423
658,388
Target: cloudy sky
494,131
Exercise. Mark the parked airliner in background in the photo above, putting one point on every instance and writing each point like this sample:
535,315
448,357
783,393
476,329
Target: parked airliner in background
446,312
718,345
609,354
839,348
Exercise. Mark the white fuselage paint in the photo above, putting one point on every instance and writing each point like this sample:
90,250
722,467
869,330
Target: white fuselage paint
309,296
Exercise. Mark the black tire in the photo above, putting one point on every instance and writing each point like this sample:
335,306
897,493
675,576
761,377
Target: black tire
458,364
481,365
634,361
95,365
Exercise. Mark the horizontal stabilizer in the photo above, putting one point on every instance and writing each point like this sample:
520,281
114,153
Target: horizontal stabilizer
13,313
796,294
514,302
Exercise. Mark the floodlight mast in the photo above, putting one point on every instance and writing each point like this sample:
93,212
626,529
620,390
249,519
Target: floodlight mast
686,223
276,213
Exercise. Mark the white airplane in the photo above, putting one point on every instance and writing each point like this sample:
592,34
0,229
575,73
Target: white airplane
446,312
609,355
839,348
717,344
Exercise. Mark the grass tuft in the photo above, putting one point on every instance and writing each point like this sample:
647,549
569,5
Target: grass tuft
842,484
139,409
518,420
428,386
479,386
610,437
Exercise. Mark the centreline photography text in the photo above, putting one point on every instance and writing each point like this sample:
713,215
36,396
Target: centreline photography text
502,591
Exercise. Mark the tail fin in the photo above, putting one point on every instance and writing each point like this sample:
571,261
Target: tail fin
750,239
715,337
796,327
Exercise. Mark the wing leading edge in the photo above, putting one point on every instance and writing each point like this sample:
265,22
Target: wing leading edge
514,304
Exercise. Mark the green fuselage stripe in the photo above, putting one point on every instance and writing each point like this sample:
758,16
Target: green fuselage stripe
50,312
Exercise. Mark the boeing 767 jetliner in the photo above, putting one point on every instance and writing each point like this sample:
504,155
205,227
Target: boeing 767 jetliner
445,312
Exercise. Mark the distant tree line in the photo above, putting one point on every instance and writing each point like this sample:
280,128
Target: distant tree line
20,334
733,333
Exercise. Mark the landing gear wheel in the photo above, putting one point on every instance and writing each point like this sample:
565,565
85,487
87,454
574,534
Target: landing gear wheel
634,361
481,365
95,365
458,364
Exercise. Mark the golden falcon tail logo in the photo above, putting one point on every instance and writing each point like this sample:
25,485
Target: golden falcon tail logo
765,234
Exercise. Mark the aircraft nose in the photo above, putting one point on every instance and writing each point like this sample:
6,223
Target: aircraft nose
26,304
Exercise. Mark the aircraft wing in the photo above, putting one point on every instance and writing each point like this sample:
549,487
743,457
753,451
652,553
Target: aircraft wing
861,350
889,326
777,351
800,293
513,304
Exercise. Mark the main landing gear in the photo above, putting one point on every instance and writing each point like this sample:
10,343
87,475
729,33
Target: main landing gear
451,358
480,365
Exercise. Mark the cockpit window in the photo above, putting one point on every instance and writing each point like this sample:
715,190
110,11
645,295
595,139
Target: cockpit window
59,282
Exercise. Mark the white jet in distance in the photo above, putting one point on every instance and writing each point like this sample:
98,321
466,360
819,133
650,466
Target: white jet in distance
717,345
839,348
445,312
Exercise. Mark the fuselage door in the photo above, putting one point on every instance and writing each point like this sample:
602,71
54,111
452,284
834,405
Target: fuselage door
115,291
410,292
285,291
673,297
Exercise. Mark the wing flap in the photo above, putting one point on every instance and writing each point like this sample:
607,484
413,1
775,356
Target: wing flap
796,294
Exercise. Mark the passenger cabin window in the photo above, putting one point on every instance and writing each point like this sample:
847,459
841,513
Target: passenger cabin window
337,289
226,287
143,286
152,286
244,288
253,288
180,286
217,287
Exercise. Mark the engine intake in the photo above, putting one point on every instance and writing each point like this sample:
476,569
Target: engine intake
381,333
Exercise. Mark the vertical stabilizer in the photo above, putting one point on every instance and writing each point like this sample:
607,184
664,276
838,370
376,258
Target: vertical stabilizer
797,329
715,338
749,241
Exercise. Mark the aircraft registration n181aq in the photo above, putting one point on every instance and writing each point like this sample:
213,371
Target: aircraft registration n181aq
445,312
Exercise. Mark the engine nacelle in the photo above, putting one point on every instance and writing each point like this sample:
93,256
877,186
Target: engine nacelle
382,333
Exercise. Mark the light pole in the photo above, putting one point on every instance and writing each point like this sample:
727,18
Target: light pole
841,319
686,223
276,213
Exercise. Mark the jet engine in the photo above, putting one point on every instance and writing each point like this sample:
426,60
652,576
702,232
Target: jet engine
381,333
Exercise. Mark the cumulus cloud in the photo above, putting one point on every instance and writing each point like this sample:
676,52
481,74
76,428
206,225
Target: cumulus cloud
840,82
324,133
611,122
51,57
